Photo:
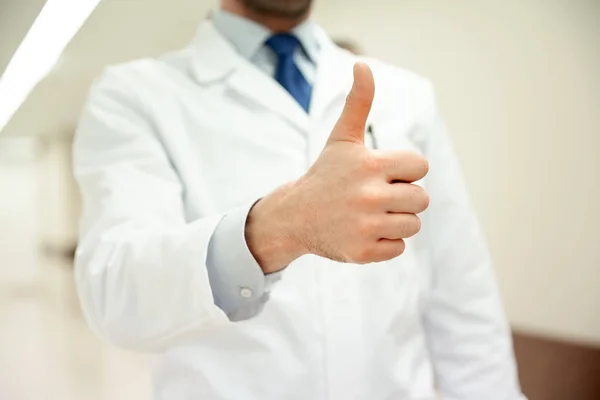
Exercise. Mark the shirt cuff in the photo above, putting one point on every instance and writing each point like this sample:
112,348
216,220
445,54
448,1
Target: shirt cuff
239,286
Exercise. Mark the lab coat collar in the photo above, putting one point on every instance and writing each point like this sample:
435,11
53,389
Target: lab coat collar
215,60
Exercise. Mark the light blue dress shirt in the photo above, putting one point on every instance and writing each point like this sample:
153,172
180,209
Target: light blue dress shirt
239,285
249,39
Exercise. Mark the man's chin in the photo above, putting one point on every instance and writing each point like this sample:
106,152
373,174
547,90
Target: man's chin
292,9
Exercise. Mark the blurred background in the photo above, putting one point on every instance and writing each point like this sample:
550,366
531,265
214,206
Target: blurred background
519,84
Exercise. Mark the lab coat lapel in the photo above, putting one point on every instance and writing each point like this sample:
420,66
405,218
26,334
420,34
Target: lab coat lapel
216,61
258,87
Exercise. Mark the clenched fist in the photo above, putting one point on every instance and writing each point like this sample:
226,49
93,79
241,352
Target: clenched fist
354,204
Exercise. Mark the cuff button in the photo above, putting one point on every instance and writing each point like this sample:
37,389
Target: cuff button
246,292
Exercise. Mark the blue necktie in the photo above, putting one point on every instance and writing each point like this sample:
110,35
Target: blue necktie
287,73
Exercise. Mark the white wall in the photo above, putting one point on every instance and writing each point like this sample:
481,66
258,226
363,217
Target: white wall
60,207
19,219
519,82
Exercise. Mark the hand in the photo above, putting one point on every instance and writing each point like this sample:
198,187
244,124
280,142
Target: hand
353,205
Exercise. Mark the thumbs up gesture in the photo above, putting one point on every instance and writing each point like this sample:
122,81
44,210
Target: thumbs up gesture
354,204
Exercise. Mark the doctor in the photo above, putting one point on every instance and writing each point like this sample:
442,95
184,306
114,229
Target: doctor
239,223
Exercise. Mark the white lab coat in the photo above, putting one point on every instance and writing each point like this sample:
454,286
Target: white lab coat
166,147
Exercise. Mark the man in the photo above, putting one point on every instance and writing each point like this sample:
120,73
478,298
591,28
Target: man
230,194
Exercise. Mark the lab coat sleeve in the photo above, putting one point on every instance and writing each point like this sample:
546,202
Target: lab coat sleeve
140,267
467,331
233,272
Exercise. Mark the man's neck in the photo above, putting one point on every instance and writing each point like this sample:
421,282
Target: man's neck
273,23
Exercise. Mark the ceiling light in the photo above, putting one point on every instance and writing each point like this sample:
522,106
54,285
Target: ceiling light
47,38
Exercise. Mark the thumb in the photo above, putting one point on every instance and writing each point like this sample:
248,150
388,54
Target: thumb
351,125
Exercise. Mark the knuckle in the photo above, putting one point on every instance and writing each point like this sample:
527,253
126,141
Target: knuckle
372,163
372,197
351,98
364,255
394,159
368,227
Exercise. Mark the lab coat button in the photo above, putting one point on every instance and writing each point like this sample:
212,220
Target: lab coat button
246,292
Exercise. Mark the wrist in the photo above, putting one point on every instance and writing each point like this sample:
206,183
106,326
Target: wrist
271,234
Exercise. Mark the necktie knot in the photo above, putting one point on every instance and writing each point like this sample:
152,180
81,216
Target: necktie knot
283,44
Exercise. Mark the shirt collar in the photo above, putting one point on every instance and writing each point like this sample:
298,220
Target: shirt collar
248,37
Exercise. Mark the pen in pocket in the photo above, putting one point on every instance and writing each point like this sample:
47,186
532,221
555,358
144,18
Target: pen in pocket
371,134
